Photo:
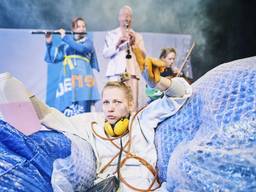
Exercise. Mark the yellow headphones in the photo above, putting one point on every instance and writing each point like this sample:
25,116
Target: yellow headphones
120,127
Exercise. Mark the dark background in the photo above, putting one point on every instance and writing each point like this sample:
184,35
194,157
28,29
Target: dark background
222,30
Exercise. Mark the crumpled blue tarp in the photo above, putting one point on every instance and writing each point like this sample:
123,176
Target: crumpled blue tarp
28,163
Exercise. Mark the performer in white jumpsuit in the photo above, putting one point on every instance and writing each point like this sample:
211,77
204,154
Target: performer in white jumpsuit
117,103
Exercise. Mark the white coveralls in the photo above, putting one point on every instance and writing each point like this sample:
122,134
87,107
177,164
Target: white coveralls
142,140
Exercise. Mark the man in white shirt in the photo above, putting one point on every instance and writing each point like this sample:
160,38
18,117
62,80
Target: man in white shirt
117,49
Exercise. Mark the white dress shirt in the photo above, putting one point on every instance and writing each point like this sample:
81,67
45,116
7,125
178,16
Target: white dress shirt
118,63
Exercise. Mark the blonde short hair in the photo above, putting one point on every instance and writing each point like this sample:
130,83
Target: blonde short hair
120,85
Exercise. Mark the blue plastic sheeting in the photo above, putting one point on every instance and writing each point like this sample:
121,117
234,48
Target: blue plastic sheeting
221,155
33,163
55,144
19,174
24,166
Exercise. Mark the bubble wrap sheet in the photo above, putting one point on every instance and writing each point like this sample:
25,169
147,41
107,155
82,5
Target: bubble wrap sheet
210,145
77,172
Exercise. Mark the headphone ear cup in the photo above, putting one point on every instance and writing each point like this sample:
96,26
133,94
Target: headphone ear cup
108,129
121,127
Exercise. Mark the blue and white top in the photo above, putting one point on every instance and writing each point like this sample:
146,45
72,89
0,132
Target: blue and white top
76,80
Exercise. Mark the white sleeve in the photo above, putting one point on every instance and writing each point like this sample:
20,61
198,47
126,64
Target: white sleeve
78,125
109,46
179,88
162,108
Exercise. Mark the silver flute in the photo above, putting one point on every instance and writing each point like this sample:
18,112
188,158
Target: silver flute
44,32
